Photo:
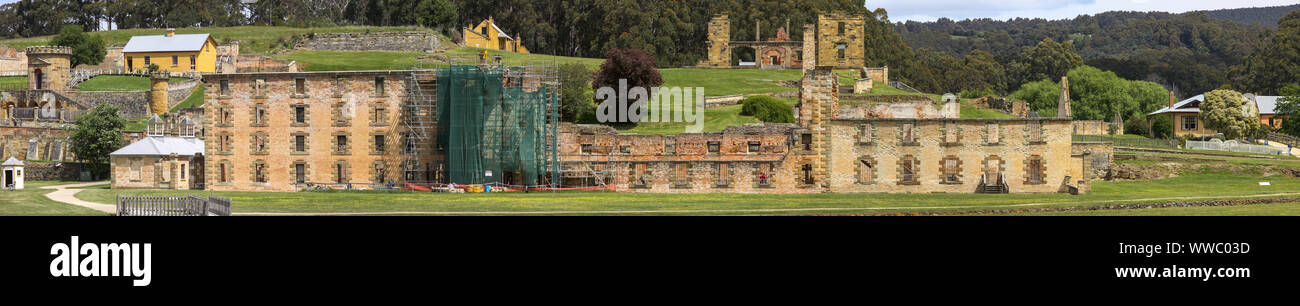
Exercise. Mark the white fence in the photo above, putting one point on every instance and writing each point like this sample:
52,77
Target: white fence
1233,146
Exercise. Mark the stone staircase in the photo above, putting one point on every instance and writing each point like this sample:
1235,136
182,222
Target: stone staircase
998,187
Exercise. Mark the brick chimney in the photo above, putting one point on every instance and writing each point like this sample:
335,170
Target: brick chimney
171,32
1171,100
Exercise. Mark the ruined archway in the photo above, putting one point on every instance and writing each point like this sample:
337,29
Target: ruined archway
744,56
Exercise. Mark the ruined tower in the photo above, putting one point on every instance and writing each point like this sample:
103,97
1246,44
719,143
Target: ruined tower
49,67
719,43
158,93
1063,105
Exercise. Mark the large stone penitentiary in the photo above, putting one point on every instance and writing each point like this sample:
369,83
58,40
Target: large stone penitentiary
492,123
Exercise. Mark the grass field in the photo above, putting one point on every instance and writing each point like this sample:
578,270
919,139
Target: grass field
352,60
726,82
1283,209
16,82
252,39
1202,186
195,99
31,201
120,83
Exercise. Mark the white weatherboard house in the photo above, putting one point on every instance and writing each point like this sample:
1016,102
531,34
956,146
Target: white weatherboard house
13,174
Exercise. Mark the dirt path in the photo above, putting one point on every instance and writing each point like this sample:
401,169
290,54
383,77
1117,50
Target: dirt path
62,193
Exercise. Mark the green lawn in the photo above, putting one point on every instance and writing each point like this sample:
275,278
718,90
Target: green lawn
17,82
1204,186
195,99
352,60
968,111
520,59
31,201
136,124
120,83
1282,209
726,82
252,39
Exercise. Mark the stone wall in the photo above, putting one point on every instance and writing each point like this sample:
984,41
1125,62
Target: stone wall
374,41
719,43
152,172
135,104
112,59
1014,108
248,63
874,162
830,37
912,109
334,104
880,74
731,161
1097,158
1096,127
48,143
54,171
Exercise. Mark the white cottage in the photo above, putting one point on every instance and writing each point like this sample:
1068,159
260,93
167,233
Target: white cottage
13,174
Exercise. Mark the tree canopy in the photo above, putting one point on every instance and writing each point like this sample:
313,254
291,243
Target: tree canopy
1225,111
98,133
86,49
1096,95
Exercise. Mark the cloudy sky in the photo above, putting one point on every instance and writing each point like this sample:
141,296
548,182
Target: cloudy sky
930,10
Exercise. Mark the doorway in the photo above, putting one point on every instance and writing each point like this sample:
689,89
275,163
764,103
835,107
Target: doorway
40,79
9,179
992,171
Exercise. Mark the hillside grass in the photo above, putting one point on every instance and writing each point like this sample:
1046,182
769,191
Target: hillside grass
17,82
352,60
252,39
195,99
120,83
1280,209
522,59
727,82
1206,185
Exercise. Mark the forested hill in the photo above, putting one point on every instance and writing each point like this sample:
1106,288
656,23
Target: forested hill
1265,16
1188,53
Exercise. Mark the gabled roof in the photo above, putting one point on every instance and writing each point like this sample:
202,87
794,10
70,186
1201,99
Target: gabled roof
163,43
161,146
1182,106
12,162
1267,104
500,33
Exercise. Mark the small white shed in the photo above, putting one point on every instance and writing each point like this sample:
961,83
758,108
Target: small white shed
12,177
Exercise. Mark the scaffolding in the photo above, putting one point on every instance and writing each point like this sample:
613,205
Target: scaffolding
419,117
497,124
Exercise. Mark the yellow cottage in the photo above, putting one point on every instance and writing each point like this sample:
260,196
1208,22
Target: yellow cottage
487,35
172,52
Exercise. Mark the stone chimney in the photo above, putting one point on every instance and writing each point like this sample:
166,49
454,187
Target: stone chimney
1063,105
158,93
171,32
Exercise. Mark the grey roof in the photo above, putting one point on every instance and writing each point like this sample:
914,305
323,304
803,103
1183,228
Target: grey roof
156,146
1177,106
12,162
162,43
1267,104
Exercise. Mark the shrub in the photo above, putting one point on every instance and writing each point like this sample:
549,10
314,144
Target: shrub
1137,126
1162,127
767,109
